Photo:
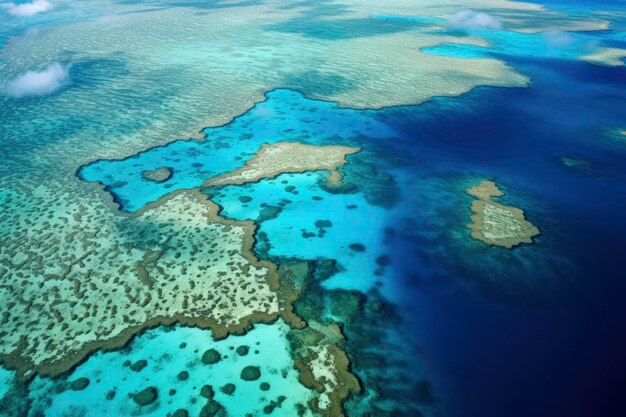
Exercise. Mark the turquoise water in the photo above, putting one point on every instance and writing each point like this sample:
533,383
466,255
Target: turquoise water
169,351
284,116
315,224
485,329
550,44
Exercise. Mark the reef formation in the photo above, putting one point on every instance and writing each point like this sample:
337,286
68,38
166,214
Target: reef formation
496,224
286,157
59,239
175,260
157,175
179,262
325,368
606,57
577,164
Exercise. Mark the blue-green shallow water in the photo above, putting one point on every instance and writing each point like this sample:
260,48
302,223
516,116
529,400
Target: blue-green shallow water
168,352
315,224
534,331
284,116
496,326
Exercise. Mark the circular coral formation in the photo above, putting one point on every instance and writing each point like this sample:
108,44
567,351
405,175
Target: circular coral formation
357,247
250,373
79,384
383,260
211,357
242,350
228,389
207,391
183,376
157,175
146,396
139,365
210,409
264,386
322,224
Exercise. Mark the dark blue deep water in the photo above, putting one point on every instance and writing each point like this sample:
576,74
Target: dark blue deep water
547,339
539,330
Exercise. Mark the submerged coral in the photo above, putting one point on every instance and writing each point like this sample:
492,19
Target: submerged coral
577,164
178,262
157,391
496,224
157,175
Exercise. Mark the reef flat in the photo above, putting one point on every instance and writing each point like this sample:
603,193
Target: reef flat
77,274
286,157
607,57
172,361
326,369
178,262
496,224
175,262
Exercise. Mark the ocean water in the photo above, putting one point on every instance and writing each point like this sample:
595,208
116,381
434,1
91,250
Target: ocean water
538,330
283,116
168,352
315,224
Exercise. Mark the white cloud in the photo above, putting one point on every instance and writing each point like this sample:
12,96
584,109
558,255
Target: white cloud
33,83
27,9
470,19
558,39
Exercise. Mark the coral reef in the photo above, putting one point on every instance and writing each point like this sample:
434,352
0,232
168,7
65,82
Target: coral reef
79,384
496,224
250,373
283,157
606,57
577,164
157,175
318,348
179,262
215,389
326,369
146,396
211,357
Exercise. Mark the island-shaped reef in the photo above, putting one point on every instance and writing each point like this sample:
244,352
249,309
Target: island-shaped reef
286,157
496,224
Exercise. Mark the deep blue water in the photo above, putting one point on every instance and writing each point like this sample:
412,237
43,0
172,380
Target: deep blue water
522,353
539,330
534,331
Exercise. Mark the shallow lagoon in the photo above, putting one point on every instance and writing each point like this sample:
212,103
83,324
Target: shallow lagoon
315,224
115,378
284,116
494,327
